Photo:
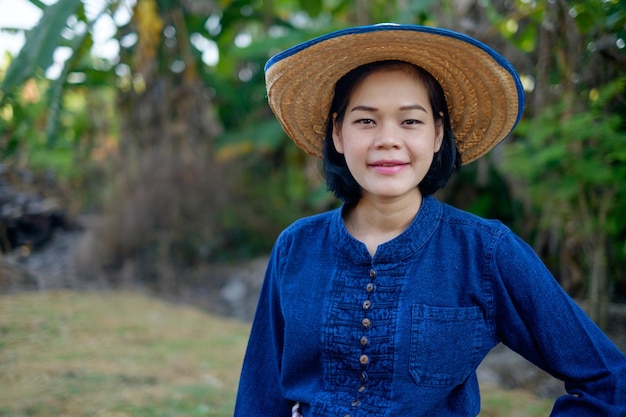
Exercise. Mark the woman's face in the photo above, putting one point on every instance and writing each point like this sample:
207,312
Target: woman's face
388,134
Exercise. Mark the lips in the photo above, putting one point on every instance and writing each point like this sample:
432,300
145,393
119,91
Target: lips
388,167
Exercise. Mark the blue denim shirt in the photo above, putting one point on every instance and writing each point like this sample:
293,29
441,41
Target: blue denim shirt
402,333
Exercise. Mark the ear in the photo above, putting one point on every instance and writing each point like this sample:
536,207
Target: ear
438,133
337,139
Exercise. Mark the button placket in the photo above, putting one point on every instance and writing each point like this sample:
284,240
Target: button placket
364,341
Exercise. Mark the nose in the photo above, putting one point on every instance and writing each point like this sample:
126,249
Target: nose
388,136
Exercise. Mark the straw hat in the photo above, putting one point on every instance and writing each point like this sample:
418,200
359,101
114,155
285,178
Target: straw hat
483,90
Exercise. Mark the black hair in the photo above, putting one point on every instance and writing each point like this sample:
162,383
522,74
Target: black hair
446,161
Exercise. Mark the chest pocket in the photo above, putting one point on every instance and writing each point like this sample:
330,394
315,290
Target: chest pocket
445,344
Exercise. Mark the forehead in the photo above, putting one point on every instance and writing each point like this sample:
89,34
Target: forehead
384,68
391,83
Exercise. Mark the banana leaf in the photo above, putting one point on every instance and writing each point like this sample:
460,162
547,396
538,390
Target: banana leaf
38,50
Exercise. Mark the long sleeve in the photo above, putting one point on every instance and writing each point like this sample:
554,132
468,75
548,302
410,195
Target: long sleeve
260,392
401,333
538,319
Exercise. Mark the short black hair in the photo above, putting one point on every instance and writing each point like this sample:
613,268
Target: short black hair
446,161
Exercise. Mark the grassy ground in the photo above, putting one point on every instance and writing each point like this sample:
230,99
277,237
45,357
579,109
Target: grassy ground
106,354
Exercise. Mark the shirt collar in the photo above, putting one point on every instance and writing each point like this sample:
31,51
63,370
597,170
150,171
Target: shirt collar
402,246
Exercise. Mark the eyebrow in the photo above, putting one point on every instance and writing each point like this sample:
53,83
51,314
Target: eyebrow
403,108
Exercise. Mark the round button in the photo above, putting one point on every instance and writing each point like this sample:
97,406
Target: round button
364,359
372,273
367,304
369,287
356,402
347,415
366,323
364,340
364,376
362,388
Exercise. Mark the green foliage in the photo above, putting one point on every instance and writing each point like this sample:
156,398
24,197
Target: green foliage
557,157
604,16
573,165
40,126
482,189
521,27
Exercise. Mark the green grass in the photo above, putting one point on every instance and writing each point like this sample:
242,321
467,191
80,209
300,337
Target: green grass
513,403
111,354
115,354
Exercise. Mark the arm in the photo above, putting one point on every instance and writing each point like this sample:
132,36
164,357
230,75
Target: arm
260,392
537,319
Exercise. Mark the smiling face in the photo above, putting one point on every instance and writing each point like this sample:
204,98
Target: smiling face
388,134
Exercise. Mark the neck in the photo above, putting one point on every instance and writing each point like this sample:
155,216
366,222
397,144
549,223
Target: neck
374,222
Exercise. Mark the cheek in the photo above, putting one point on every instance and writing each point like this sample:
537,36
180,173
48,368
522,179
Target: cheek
353,149
352,153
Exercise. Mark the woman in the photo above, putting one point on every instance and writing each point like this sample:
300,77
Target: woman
387,305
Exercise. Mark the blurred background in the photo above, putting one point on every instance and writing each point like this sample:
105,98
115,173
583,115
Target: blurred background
137,150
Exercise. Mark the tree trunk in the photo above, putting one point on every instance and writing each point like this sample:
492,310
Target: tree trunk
598,298
599,294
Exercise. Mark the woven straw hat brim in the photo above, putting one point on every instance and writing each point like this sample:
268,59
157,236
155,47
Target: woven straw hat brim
483,91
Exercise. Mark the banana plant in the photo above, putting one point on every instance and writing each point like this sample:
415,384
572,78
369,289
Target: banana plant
50,33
